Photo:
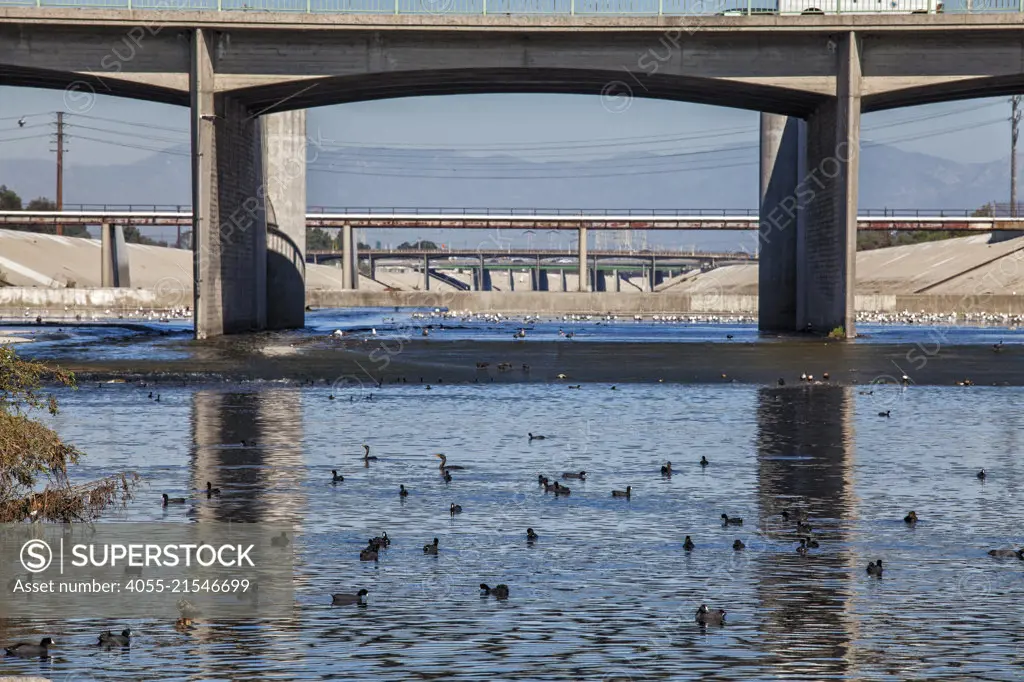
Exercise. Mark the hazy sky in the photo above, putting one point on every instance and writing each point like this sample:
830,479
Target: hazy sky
971,131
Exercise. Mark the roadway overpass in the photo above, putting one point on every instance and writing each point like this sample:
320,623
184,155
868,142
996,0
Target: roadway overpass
652,265
249,76
111,218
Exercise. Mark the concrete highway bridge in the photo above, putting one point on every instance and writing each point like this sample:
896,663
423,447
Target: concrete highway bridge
652,265
248,77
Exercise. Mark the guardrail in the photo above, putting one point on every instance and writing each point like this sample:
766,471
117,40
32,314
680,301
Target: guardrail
524,222
540,7
560,212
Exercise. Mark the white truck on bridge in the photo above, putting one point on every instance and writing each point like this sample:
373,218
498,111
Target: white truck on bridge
792,7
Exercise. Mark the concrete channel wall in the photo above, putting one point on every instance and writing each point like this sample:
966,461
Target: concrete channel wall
56,302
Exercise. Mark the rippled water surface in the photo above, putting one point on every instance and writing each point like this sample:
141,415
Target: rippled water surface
607,592
168,341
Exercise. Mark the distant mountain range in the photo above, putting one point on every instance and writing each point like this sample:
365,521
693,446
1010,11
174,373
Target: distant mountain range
889,178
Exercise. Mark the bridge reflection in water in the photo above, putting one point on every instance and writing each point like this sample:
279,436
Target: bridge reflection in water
249,445
805,454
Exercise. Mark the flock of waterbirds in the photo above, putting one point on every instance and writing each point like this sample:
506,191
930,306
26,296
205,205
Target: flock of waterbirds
704,616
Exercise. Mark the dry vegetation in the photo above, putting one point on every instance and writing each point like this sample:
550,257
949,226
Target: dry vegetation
34,461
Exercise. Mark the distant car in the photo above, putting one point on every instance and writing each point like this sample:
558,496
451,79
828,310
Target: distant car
745,11
790,7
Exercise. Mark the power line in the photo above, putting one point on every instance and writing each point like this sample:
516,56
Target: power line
147,126
133,146
659,171
399,172
16,117
37,125
149,136
567,145
615,142
509,163
25,137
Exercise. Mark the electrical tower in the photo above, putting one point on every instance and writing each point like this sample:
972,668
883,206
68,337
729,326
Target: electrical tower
1014,129
59,140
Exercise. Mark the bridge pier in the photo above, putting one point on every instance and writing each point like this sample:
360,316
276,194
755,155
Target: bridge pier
826,281
426,273
777,220
284,162
248,176
114,270
483,280
807,231
584,284
229,238
540,278
348,266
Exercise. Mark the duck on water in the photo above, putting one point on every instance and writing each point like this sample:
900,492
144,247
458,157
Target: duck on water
26,650
343,599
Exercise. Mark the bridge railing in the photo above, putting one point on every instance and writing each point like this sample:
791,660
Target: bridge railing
130,208
535,7
1000,211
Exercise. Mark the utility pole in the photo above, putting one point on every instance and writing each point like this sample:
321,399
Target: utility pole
60,167
1014,129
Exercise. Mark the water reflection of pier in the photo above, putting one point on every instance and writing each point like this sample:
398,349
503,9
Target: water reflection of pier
250,446
805,460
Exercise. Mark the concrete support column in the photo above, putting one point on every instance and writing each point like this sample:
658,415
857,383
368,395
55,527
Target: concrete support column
827,279
284,165
426,273
584,275
777,233
114,270
229,224
348,263
355,259
565,284
618,281
540,278
484,283
373,267
511,280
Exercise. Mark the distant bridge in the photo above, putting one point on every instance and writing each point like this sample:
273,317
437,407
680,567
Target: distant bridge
524,219
512,254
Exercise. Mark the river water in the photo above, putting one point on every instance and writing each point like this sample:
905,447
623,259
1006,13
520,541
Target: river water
607,592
